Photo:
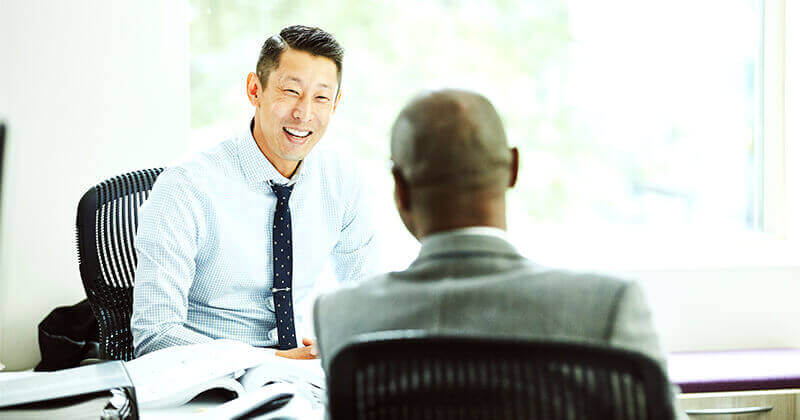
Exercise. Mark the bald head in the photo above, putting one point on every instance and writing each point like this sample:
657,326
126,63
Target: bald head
452,163
451,139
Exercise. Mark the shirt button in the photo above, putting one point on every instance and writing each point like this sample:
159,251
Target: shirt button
273,334
271,304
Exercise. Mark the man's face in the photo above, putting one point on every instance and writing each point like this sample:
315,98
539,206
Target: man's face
295,107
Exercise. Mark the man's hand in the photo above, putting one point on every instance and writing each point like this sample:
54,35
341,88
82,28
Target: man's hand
303,353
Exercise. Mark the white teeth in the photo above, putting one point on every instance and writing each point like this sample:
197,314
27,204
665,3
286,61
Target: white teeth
297,133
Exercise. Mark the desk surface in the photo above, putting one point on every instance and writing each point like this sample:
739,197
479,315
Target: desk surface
694,372
200,406
735,370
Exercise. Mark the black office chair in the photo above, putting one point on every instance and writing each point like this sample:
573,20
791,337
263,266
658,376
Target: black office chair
106,225
411,375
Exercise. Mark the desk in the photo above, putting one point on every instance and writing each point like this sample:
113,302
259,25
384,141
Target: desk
737,379
195,409
735,370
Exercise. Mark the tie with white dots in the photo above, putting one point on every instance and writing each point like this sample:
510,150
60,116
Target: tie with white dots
282,267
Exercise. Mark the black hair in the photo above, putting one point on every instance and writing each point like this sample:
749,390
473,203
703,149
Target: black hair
298,37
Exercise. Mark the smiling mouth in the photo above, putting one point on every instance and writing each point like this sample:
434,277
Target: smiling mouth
298,136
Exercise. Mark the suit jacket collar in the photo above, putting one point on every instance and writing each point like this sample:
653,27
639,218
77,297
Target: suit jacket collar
465,244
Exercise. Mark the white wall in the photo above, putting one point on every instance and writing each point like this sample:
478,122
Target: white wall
717,309
89,89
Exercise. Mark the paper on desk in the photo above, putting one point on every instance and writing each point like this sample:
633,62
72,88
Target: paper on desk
307,375
298,407
172,376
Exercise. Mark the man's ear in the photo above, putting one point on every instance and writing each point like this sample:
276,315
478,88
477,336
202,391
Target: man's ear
336,101
514,167
401,193
253,89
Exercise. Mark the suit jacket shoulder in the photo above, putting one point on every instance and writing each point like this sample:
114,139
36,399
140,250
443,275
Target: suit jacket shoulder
489,293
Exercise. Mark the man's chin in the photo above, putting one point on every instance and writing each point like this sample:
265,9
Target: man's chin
293,156
296,153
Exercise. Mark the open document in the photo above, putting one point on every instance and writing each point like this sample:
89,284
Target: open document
175,375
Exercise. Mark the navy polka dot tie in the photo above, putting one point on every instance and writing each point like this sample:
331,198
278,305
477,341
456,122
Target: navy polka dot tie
282,267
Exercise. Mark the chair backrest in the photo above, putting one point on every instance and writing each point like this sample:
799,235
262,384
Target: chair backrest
411,375
106,225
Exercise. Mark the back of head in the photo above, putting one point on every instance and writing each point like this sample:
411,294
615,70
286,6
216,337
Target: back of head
450,149
451,139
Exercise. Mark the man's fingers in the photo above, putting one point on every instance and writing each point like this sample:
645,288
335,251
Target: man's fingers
312,344
297,353
308,352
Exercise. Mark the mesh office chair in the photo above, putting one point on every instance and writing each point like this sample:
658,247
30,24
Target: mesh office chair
106,225
409,375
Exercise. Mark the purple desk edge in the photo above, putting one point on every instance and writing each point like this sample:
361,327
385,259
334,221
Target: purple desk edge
735,370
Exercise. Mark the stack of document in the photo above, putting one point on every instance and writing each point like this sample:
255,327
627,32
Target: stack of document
102,390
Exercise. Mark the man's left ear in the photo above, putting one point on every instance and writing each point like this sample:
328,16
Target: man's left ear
514,167
336,102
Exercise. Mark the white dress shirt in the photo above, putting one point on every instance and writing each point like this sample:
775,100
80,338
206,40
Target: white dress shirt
435,238
204,243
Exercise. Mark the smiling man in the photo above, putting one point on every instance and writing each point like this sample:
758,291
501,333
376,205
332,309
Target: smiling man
229,240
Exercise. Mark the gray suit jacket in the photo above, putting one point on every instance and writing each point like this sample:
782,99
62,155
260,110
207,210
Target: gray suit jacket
479,284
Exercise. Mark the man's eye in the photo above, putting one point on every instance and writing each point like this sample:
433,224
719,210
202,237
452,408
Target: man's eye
291,91
323,98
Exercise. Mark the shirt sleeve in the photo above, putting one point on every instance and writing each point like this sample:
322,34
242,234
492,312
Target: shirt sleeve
166,247
355,256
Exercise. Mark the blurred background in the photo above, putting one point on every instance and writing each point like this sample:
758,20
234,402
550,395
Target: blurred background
654,136
622,119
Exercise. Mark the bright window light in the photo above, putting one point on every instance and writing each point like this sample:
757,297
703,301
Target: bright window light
629,115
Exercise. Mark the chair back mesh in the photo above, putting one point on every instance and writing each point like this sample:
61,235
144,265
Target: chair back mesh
106,225
402,375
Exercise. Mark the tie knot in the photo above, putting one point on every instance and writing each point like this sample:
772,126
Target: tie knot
282,191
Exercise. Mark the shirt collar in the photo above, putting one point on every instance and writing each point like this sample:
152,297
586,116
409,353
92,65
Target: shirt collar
258,169
471,230
476,239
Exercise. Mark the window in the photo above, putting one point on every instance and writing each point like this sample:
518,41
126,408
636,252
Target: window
630,116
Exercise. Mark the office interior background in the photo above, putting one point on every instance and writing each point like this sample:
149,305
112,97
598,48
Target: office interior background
657,138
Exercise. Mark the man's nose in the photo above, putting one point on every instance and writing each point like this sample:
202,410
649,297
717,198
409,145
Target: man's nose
302,110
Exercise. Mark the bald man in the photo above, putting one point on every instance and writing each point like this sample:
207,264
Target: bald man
452,168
